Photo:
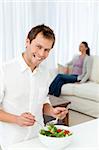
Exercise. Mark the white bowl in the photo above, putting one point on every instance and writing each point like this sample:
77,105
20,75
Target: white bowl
56,142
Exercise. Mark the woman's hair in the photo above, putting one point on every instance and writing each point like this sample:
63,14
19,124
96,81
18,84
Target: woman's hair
88,49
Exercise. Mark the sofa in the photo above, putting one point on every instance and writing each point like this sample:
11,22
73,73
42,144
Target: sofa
84,97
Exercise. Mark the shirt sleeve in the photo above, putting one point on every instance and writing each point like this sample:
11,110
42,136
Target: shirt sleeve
70,63
1,86
87,71
47,88
47,100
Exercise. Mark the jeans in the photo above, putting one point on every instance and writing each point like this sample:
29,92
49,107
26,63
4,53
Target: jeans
55,87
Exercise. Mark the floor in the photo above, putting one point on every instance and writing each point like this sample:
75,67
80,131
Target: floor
77,118
74,118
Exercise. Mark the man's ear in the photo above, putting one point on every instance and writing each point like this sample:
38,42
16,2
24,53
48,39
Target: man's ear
27,42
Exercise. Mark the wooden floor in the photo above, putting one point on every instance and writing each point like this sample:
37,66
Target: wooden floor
77,118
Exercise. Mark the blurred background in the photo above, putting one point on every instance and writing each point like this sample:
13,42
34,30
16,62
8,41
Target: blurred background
73,21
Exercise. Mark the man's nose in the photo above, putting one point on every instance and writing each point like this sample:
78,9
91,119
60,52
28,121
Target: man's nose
42,52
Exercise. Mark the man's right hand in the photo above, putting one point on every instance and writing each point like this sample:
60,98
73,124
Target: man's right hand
25,119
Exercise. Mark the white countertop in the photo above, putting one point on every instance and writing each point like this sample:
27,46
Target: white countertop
86,137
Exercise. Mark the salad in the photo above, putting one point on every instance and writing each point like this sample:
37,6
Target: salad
53,131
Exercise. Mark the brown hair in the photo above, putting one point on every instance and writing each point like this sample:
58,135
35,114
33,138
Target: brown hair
88,49
46,31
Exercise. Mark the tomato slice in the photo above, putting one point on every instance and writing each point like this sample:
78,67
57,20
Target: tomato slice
59,130
66,132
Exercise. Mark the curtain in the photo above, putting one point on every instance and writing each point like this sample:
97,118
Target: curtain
77,21
72,21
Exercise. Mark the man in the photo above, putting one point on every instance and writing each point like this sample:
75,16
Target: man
24,87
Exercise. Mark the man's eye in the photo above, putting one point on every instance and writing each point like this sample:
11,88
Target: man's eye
39,46
47,50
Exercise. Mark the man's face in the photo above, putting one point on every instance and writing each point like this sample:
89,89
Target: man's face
38,49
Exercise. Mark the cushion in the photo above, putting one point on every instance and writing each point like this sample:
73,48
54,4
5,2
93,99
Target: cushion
95,70
88,90
61,69
68,89
64,70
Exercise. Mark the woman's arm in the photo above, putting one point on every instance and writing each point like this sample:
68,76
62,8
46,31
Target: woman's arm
68,66
87,67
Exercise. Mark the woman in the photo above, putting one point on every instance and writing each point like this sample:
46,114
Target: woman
81,69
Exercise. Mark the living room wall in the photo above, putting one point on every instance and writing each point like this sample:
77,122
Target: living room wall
73,21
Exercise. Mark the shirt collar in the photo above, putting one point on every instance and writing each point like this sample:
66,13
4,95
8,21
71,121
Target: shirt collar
24,66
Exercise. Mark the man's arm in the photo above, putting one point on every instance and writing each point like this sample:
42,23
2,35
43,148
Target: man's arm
54,112
7,117
48,109
25,119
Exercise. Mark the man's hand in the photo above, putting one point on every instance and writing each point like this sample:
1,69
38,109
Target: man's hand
59,112
25,119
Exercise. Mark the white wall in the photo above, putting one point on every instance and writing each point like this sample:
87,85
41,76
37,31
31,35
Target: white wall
73,21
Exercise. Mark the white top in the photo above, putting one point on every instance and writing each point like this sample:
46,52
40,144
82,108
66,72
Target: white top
22,90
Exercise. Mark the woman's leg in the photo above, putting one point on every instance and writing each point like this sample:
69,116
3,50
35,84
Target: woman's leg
57,90
55,87
54,83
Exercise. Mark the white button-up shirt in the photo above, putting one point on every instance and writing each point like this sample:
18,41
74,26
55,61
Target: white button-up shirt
22,90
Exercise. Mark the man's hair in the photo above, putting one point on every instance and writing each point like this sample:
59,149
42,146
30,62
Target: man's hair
46,31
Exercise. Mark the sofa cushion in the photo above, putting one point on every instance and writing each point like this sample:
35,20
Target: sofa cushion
64,69
95,71
61,68
68,89
88,90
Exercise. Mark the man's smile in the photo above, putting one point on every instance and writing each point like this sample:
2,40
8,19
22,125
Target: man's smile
37,58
